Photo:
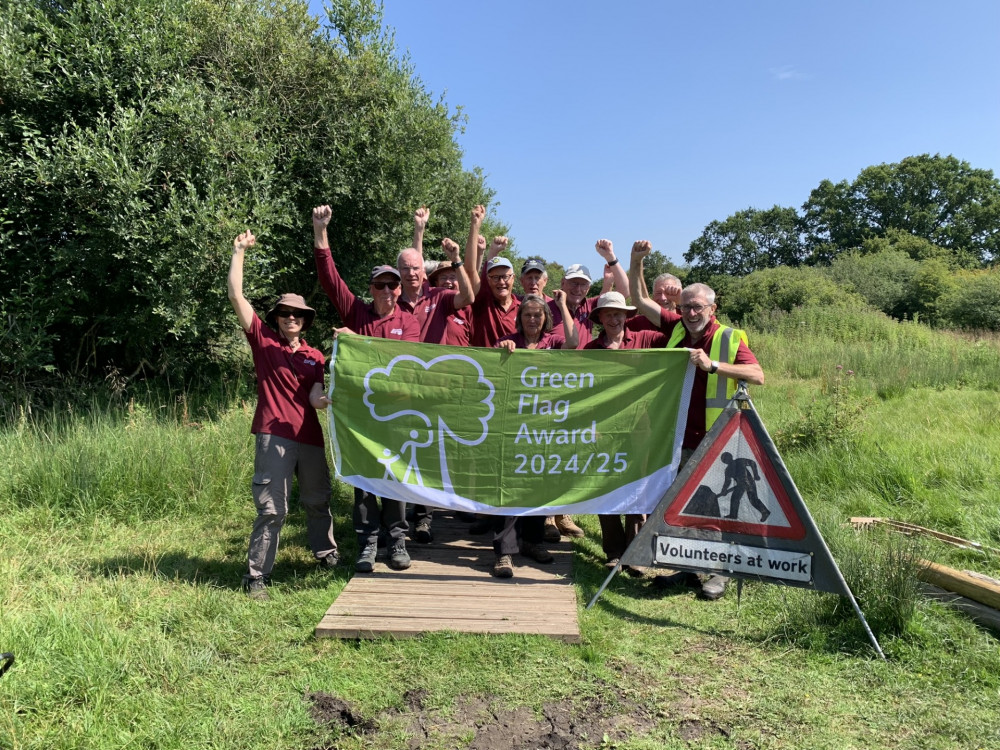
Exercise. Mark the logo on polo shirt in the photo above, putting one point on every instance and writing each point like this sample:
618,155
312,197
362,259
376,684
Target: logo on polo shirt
309,361
396,331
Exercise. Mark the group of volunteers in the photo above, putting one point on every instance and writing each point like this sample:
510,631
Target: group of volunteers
462,301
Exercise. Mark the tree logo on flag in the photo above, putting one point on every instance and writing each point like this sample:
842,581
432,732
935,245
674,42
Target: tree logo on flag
424,400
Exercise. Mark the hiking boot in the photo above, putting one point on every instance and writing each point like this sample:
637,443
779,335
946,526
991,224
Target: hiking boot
481,525
536,552
256,589
331,561
423,534
366,560
399,558
503,567
714,587
551,532
568,528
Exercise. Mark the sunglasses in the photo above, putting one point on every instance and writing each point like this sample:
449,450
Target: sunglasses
289,314
380,285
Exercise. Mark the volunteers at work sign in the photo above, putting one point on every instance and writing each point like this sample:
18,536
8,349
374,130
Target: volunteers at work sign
513,433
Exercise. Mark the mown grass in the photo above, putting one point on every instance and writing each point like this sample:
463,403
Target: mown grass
124,541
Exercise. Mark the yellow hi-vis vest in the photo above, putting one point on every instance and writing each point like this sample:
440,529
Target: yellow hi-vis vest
719,390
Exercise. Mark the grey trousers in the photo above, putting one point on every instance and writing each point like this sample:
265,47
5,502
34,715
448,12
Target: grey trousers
368,519
276,461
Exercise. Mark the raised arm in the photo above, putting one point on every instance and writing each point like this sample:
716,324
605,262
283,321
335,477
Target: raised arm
472,250
465,296
329,278
608,280
244,312
607,251
640,298
420,217
569,325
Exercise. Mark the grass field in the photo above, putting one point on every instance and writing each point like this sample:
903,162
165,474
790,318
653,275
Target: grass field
125,538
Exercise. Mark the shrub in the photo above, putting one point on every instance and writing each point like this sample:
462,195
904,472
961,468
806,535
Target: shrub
973,302
780,288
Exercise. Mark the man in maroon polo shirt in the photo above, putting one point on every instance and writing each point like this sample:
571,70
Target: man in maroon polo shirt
699,331
380,318
434,306
577,282
494,313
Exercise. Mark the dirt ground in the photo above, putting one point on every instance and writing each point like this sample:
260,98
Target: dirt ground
478,724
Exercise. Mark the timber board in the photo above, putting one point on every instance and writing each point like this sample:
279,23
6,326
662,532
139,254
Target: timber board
448,587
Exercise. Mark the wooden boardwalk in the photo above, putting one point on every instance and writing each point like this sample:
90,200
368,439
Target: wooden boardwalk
449,587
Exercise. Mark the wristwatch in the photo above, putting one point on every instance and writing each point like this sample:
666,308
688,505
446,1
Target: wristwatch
456,263
714,368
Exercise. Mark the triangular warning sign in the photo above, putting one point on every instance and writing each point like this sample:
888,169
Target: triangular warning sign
735,511
735,487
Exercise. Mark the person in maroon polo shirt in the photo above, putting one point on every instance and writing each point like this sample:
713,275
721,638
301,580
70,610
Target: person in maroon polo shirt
666,293
699,332
577,282
494,313
289,440
611,312
381,318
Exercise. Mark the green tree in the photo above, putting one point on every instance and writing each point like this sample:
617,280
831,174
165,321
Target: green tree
782,288
884,279
747,241
973,302
940,199
149,133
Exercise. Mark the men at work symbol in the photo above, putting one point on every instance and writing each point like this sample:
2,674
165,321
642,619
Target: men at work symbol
741,479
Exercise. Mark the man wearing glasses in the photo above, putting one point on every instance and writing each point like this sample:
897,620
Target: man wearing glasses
494,313
576,283
381,318
720,354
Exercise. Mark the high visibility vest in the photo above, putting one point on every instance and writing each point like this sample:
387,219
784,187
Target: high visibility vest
719,390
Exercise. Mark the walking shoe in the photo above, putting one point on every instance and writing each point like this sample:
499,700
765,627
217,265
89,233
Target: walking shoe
536,552
423,534
612,563
568,528
482,525
503,567
256,589
331,561
714,587
366,560
634,572
399,558
551,531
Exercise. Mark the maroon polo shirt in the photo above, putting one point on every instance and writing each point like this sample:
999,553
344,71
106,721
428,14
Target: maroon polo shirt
358,315
584,325
549,340
440,322
284,381
694,431
632,340
490,322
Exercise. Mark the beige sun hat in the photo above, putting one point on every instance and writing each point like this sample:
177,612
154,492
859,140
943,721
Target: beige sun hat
610,301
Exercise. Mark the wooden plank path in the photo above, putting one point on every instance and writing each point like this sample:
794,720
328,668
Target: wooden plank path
449,587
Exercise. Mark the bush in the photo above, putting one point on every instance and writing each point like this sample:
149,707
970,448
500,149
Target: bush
884,280
782,289
973,302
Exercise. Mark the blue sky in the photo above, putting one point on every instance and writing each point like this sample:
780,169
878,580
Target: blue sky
647,120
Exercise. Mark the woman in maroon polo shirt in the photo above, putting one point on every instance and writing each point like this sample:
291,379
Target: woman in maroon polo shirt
289,440
534,331
612,312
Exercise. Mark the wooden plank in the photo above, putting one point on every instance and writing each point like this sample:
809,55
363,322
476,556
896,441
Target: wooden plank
960,582
449,588
978,613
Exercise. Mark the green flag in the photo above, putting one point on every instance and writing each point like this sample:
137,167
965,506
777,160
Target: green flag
511,433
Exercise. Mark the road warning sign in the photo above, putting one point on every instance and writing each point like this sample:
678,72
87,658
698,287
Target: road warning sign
734,511
736,487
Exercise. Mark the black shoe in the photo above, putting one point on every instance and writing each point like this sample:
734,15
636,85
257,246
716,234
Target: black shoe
256,589
764,514
366,560
714,588
423,534
536,552
399,558
482,525
331,561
